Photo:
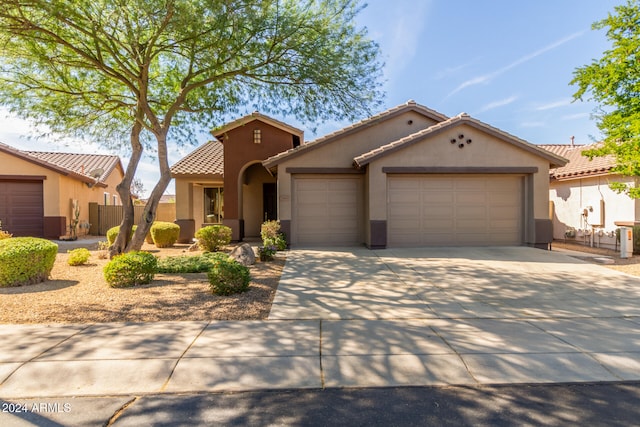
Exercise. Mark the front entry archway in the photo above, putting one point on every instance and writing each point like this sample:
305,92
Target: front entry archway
258,198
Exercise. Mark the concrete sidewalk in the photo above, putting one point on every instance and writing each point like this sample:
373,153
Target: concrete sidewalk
40,361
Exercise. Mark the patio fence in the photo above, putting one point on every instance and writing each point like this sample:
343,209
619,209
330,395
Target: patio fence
103,217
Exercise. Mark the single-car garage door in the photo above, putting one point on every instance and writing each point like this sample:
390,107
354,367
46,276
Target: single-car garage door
21,208
327,210
455,210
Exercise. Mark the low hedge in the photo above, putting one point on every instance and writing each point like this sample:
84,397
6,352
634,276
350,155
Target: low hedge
164,234
26,260
112,233
130,269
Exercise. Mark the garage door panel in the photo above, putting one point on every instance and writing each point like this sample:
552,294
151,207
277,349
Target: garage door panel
21,207
327,210
455,210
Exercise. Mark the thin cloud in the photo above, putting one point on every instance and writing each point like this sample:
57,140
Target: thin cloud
486,78
575,116
497,104
552,105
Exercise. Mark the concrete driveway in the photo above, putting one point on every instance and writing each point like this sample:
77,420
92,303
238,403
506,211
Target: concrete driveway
463,316
458,283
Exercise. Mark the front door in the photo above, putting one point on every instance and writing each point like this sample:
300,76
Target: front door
269,201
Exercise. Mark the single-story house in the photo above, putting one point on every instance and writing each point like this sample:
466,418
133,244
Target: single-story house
408,176
583,207
39,191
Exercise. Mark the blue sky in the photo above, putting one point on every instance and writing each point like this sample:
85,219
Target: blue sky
505,62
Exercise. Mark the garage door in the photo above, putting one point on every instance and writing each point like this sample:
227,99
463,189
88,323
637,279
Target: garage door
450,210
21,208
327,210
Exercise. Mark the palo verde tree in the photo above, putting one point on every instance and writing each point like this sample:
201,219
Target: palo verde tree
614,82
138,71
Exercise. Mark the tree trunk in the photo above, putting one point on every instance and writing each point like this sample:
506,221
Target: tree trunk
151,208
124,190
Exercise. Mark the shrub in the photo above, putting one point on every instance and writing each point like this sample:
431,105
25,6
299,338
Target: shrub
26,260
213,237
269,230
190,263
164,234
267,252
78,256
103,249
130,269
112,233
228,276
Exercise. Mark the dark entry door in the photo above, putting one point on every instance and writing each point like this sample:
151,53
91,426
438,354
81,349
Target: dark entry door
269,201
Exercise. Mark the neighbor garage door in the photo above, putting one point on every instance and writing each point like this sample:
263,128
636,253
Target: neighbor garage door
21,207
455,210
327,210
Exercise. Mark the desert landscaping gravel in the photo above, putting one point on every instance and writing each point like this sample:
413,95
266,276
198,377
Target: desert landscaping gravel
80,295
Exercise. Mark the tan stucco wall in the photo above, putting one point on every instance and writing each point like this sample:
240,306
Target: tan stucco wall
572,196
190,198
340,153
437,151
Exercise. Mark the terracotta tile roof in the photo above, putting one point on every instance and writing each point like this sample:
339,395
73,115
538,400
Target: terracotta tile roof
579,165
85,167
256,116
392,112
462,118
208,159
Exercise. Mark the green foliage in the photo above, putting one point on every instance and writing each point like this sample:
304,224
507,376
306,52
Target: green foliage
266,252
613,82
26,260
212,238
164,234
190,263
112,234
227,276
130,269
78,256
272,236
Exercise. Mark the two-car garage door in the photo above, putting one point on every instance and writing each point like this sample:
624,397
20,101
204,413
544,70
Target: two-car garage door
455,210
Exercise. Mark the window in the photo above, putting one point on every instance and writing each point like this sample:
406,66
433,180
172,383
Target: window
213,205
257,136
115,200
106,199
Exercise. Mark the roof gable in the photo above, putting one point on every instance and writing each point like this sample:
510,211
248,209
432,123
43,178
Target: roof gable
578,166
208,159
84,167
242,121
370,121
448,124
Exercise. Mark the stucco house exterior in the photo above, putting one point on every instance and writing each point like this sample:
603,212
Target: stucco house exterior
39,190
409,176
583,207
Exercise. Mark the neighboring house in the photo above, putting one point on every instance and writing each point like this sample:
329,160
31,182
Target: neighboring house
408,176
583,207
38,190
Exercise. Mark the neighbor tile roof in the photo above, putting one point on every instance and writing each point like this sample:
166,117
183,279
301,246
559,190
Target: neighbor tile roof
370,121
578,165
462,118
208,159
79,166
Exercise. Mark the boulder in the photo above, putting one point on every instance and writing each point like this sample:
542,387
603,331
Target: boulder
243,253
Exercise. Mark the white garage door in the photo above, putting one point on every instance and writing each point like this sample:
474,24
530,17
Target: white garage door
327,210
454,210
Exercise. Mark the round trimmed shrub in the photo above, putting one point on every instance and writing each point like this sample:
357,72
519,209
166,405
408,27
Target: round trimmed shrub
112,233
78,256
228,276
130,269
26,260
164,234
213,237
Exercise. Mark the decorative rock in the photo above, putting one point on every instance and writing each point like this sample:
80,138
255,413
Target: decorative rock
244,254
